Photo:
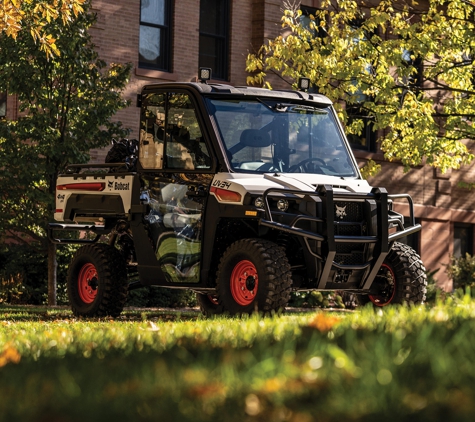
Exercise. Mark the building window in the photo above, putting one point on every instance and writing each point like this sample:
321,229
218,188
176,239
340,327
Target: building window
155,34
305,21
463,240
366,139
415,79
3,105
214,37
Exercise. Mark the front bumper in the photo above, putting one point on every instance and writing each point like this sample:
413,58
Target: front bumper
374,240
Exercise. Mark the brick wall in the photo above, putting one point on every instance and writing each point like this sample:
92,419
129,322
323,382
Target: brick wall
117,38
439,202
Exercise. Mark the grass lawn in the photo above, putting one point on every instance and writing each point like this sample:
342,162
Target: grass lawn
394,364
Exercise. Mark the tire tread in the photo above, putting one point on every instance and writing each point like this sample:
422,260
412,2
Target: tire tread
115,288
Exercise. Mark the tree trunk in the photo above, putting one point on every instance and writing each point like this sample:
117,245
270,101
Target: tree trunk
52,267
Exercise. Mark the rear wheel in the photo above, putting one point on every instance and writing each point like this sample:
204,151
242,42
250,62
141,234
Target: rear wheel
253,276
97,281
209,304
401,279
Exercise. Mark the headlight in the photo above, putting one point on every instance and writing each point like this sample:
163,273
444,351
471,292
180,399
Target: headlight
259,202
282,205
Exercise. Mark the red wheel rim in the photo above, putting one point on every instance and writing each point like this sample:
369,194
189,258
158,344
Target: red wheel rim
213,299
244,282
87,283
389,291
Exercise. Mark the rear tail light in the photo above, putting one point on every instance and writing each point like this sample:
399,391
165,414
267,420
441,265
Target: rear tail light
96,187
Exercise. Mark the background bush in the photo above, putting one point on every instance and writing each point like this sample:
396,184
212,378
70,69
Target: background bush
24,274
161,297
462,271
316,299
24,280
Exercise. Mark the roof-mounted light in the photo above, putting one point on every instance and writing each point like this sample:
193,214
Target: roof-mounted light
304,84
204,74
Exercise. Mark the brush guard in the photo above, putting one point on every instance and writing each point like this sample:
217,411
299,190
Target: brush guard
381,241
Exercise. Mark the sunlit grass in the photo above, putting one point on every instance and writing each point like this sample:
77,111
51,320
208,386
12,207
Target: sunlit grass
396,363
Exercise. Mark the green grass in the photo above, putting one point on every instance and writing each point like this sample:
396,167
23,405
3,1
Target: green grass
395,364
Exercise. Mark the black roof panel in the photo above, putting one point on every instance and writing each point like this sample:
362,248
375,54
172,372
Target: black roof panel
240,91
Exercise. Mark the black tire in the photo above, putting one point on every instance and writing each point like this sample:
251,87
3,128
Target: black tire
253,276
401,279
97,281
209,304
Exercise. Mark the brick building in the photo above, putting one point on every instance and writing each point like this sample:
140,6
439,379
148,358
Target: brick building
163,46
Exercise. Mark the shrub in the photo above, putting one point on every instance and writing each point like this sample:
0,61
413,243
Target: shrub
315,299
153,297
24,280
24,274
433,291
462,271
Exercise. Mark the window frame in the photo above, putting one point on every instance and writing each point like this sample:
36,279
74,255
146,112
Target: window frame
165,43
222,57
307,11
208,144
469,248
355,110
368,132
416,79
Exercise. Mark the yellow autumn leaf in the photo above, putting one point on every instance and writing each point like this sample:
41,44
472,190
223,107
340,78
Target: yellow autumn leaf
9,355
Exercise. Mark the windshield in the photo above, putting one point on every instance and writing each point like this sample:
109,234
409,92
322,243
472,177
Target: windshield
268,136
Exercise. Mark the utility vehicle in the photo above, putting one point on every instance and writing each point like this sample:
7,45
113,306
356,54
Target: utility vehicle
241,194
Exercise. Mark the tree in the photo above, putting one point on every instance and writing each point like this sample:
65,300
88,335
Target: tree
34,16
408,67
65,105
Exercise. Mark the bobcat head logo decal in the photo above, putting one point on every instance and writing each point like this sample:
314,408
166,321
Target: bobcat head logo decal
340,211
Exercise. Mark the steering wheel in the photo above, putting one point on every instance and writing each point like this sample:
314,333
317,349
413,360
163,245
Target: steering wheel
303,166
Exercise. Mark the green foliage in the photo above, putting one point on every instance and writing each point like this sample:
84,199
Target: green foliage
392,364
462,271
466,185
34,17
368,57
66,103
23,280
161,297
371,168
65,106
24,274
315,299
434,292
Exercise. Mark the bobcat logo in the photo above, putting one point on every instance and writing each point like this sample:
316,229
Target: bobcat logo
110,184
340,211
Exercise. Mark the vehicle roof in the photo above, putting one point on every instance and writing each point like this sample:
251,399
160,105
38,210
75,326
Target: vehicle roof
245,91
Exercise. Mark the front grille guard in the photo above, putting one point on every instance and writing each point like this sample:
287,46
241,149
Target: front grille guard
381,240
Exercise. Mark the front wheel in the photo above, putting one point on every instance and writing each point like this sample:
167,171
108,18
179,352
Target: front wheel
401,279
97,281
253,276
